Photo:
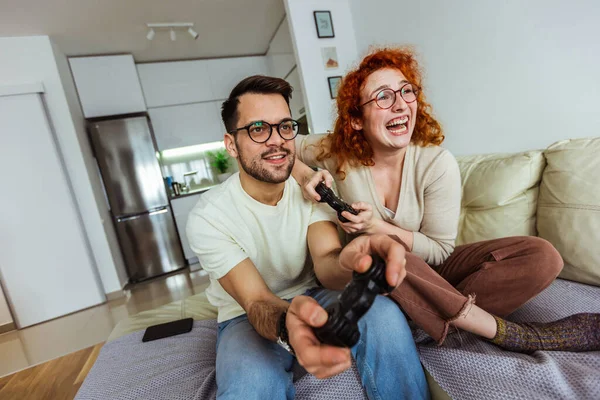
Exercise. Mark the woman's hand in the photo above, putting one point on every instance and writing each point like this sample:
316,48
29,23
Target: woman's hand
356,256
361,223
310,182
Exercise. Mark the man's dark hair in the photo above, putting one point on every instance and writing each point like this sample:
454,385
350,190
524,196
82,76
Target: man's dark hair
257,84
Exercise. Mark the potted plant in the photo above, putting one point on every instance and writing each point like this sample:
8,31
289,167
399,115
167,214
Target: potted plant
221,161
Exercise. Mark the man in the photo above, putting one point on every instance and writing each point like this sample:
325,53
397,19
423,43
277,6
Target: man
252,235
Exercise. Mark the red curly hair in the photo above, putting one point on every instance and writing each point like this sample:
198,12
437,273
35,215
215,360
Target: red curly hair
349,146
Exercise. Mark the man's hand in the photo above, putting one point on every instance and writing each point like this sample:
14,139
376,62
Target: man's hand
356,256
321,360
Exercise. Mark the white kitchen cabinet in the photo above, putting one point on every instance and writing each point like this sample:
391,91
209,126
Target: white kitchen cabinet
182,206
184,82
187,125
107,85
225,73
176,82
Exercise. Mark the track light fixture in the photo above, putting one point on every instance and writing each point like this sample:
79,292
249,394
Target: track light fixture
150,34
193,33
189,26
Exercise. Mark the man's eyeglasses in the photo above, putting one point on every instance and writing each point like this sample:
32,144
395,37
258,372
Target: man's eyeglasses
387,97
260,131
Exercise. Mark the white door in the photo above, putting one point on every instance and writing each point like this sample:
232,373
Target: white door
45,260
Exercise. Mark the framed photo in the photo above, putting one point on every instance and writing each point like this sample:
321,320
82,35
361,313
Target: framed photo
334,84
324,24
330,58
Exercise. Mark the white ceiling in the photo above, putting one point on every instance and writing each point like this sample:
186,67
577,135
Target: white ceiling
92,27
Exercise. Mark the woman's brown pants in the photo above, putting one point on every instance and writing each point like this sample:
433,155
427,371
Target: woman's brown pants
502,273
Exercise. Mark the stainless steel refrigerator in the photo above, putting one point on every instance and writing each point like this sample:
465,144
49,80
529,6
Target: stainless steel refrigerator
127,158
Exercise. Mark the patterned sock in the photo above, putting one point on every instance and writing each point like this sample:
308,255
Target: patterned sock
579,332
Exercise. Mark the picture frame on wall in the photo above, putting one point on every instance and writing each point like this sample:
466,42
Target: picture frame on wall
334,84
324,24
330,58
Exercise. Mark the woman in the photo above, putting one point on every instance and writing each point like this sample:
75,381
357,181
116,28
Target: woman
385,158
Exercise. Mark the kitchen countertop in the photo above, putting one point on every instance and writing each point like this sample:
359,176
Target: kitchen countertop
192,192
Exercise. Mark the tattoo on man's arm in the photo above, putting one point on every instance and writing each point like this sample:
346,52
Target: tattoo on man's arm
263,316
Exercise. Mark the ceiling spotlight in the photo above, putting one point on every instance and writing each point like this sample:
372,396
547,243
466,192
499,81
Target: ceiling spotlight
172,27
193,33
150,34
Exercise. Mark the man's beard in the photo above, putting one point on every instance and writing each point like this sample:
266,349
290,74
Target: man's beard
256,169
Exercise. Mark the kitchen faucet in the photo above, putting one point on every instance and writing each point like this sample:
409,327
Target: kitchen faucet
186,175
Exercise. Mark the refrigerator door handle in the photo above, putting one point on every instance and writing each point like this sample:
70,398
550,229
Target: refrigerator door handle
129,218
164,210
132,217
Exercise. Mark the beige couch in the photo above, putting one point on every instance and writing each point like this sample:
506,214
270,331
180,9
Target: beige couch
552,193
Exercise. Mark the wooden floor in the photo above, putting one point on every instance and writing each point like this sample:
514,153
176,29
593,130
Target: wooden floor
57,379
49,340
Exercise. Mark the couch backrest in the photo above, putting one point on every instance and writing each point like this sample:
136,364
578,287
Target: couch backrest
554,194
569,206
500,194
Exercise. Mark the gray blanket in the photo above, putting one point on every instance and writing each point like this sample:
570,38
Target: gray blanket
183,367
467,367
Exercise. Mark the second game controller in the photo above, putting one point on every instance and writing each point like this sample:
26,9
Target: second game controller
327,196
341,328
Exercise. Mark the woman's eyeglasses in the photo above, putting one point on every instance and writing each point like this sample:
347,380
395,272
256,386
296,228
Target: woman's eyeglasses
387,97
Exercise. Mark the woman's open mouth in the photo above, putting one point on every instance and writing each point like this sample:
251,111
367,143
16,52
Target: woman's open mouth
398,126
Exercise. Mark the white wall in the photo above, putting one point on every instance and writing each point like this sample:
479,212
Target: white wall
32,59
280,56
501,76
96,215
307,48
282,64
5,316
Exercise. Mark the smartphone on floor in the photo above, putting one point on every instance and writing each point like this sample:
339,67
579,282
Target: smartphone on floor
168,329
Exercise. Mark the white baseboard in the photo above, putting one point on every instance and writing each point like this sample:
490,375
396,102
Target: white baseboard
115,295
7,327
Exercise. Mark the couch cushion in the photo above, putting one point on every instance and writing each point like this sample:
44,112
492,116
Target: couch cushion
569,206
499,195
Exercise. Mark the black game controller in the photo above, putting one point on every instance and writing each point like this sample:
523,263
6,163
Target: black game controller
341,328
327,196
